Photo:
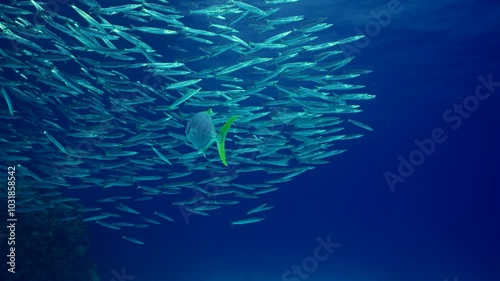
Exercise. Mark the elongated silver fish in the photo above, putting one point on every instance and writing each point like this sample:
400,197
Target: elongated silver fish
246,221
133,240
130,101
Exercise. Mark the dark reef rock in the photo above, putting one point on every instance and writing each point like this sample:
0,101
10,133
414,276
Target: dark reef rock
48,249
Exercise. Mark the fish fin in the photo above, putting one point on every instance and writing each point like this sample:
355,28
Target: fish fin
232,223
222,139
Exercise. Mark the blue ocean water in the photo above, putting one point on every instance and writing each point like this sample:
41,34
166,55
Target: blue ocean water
416,199
441,223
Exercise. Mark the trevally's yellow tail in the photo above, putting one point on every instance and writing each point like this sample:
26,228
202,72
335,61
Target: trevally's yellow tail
222,139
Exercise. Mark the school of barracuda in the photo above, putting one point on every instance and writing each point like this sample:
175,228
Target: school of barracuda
91,105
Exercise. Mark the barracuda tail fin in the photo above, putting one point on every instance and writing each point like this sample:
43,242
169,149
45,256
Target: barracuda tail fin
222,139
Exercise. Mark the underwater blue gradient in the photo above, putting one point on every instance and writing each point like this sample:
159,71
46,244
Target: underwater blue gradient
441,223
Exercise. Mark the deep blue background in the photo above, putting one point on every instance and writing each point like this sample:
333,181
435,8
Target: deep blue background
441,223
